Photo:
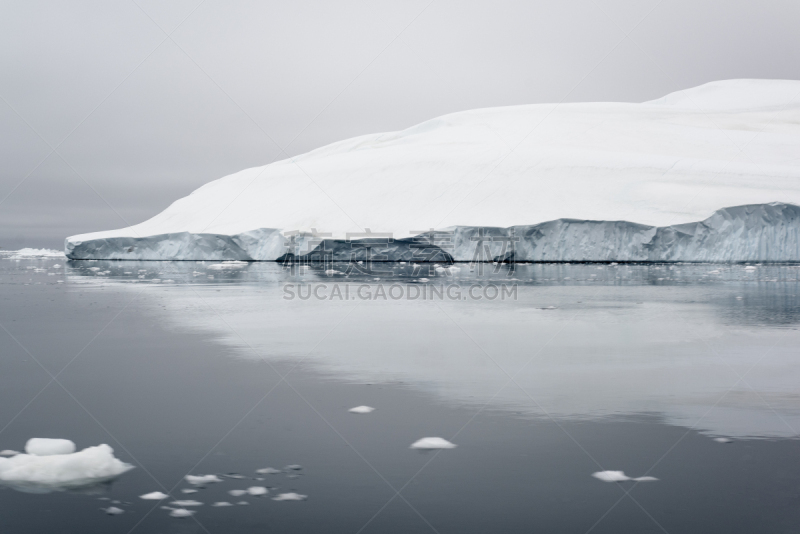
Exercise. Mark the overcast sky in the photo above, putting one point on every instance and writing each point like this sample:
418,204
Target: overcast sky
145,101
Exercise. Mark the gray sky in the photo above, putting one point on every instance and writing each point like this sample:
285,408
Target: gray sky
139,119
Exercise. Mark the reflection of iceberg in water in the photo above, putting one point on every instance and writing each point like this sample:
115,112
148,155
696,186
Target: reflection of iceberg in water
580,341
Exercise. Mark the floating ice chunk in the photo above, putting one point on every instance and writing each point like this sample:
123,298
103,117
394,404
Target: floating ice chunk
242,503
187,503
424,280
361,409
49,447
53,472
188,490
433,443
723,440
219,504
35,253
257,490
290,497
181,512
293,467
9,452
237,492
611,476
750,268
439,269
268,471
225,265
94,269
113,510
154,496
620,476
200,480
234,475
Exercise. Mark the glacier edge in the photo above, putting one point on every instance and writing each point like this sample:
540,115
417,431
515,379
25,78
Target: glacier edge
748,233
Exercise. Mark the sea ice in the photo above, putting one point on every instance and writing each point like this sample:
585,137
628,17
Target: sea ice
361,409
219,504
188,490
181,512
290,497
433,443
53,471
620,476
723,440
154,496
237,492
49,447
113,510
257,490
201,480
268,471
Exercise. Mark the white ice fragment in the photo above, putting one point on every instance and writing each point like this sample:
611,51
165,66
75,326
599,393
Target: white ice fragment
187,503
188,490
423,280
94,269
219,504
750,268
257,490
290,497
199,480
35,253
113,510
53,472
361,409
611,476
620,476
9,452
433,443
293,467
242,503
237,492
268,471
439,269
154,496
723,440
181,512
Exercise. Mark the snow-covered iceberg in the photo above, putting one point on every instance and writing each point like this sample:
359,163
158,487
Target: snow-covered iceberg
572,174
52,465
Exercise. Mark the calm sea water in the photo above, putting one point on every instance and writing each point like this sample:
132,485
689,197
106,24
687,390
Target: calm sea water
189,368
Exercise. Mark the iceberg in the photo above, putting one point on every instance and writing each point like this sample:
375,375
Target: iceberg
52,465
546,182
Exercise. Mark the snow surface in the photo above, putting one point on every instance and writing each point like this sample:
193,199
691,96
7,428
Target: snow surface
433,443
570,171
49,447
53,472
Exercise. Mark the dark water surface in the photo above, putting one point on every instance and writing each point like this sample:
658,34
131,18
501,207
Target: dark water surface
585,368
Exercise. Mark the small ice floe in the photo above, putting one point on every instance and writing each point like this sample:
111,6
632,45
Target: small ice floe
201,480
237,492
361,409
181,512
257,490
290,497
619,476
439,269
188,490
53,465
454,268
35,253
715,271
185,503
243,503
723,440
225,265
750,268
113,510
94,269
331,271
433,443
154,496
220,504
424,280
9,452
268,471
293,467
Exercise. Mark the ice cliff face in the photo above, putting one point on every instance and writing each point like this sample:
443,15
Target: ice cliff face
566,170
759,232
